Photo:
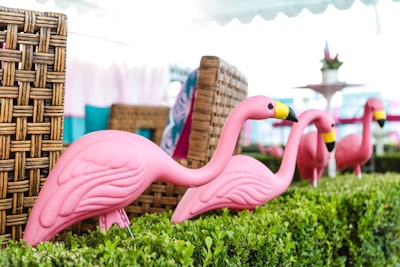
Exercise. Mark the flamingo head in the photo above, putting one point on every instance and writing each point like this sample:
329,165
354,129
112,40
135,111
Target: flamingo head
378,110
283,112
262,107
325,124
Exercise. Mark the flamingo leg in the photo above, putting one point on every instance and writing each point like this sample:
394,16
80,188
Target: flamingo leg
357,171
315,179
116,216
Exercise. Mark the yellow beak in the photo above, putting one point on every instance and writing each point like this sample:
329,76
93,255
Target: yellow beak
330,140
284,112
380,117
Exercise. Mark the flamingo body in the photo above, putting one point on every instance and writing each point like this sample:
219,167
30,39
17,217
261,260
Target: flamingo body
349,156
96,175
235,194
246,182
104,171
354,150
312,157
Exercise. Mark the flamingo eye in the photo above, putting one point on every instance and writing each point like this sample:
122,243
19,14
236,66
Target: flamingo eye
270,106
333,125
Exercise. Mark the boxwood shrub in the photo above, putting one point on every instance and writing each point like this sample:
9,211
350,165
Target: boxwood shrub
345,221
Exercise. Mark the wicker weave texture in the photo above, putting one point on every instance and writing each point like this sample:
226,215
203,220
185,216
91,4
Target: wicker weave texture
221,87
131,118
32,84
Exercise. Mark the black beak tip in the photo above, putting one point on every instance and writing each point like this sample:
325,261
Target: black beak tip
381,122
330,146
292,115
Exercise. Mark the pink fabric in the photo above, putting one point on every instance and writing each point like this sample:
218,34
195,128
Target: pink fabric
121,74
88,83
182,147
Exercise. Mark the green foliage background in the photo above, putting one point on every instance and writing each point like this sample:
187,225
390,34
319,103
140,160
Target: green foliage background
346,221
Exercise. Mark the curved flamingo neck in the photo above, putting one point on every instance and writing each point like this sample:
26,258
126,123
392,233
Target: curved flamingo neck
180,175
288,164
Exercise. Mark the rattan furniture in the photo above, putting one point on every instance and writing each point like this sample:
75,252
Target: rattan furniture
132,118
220,87
32,84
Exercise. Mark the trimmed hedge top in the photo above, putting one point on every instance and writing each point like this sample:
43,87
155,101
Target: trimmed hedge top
346,221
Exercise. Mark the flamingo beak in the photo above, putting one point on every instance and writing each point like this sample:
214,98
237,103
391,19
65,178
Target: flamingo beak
284,112
380,117
329,139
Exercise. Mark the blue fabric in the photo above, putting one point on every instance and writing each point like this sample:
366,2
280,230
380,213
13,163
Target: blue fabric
96,118
144,132
73,129
178,115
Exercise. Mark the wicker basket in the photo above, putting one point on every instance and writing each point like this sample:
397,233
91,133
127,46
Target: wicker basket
131,118
32,83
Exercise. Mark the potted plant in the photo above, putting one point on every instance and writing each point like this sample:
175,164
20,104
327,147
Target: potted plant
330,67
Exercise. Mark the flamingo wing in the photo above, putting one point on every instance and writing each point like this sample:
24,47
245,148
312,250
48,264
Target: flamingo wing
347,152
92,177
244,184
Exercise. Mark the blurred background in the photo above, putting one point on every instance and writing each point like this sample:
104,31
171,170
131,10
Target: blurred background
140,52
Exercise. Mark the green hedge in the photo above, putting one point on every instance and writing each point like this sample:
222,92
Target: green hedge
346,221
388,162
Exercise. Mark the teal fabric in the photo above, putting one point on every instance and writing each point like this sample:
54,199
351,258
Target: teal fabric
145,133
73,129
96,118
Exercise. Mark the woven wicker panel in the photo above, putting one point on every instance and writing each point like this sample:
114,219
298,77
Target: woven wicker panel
221,87
32,84
131,118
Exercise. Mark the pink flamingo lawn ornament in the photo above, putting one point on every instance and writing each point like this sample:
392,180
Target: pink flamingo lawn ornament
274,150
313,156
104,171
246,182
354,150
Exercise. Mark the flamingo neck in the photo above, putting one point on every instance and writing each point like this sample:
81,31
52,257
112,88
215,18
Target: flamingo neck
288,164
180,175
321,151
366,131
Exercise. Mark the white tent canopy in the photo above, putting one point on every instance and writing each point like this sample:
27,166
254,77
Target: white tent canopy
118,19
224,11
204,11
